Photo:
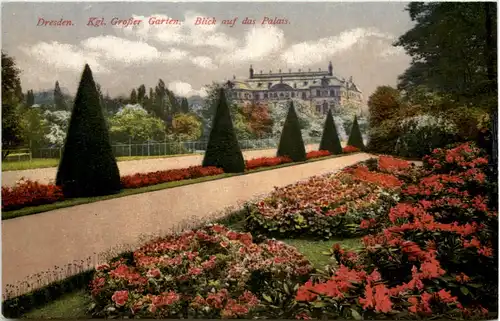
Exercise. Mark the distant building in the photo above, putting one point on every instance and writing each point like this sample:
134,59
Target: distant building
322,90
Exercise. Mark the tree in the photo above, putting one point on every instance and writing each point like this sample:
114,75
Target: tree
141,94
30,98
88,166
330,140
135,124
59,99
383,104
355,138
186,127
453,50
291,143
133,97
12,131
184,106
258,119
223,149
175,107
35,127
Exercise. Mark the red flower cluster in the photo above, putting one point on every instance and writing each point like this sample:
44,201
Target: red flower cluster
317,154
171,175
350,149
29,193
381,179
391,164
266,162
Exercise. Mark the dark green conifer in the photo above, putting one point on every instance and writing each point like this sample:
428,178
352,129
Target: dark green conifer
355,138
330,140
223,149
291,143
88,166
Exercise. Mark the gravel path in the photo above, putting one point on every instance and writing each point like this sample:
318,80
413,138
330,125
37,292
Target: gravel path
37,243
45,175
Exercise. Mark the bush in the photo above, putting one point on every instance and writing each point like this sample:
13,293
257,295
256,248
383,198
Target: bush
88,166
223,149
355,138
291,143
421,134
330,140
435,256
383,138
208,273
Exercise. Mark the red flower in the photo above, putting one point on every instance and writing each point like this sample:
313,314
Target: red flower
350,149
120,297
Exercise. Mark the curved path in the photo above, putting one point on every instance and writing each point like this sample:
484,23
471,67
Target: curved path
46,175
36,243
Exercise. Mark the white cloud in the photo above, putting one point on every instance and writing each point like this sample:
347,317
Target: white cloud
316,51
260,42
184,89
64,57
204,62
121,50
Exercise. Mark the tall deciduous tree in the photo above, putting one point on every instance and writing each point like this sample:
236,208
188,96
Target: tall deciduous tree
223,149
133,97
330,140
383,104
88,166
141,94
12,97
291,142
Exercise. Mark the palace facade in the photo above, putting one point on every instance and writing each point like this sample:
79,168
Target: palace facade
322,90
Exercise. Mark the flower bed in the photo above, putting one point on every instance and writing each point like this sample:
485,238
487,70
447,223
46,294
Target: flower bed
207,273
324,206
350,149
434,257
266,162
29,193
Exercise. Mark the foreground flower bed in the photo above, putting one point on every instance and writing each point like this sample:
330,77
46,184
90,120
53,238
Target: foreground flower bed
207,273
326,206
29,193
435,256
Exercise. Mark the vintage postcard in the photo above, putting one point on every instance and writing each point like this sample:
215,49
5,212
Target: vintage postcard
251,160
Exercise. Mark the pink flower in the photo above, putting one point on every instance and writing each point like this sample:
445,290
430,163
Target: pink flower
120,297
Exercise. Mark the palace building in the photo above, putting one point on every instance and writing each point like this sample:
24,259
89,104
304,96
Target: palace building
322,90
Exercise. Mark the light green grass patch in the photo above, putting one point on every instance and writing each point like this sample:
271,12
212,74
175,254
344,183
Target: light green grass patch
70,306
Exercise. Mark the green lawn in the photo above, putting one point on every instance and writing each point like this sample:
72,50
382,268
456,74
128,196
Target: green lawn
70,306
131,191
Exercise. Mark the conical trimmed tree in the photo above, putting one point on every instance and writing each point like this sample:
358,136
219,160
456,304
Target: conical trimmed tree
291,143
223,149
355,138
330,140
88,166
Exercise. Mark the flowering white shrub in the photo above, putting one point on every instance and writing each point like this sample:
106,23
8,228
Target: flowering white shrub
58,122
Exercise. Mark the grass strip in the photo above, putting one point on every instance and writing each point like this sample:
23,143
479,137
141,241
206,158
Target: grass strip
132,191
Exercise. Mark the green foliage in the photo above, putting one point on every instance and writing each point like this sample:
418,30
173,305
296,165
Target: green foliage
59,100
453,49
330,140
30,98
136,125
355,138
12,97
291,143
383,104
35,127
133,97
88,166
186,127
383,138
223,149
184,106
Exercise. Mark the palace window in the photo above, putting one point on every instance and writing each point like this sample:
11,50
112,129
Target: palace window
293,94
304,96
259,84
318,93
265,95
305,83
332,93
281,95
269,84
287,95
294,85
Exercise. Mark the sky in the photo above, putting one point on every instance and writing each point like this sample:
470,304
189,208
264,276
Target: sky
356,37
